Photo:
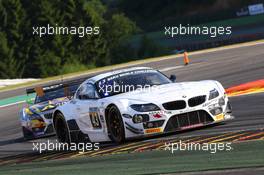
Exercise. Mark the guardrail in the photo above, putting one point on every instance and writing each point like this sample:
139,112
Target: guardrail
8,82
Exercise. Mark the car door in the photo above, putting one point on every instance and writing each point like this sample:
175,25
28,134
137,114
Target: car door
87,106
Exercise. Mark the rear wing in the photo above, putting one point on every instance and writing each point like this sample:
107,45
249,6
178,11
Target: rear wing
41,90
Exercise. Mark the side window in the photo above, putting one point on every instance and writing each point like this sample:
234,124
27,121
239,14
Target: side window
78,92
86,91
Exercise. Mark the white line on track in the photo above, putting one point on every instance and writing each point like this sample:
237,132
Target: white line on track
11,104
170,68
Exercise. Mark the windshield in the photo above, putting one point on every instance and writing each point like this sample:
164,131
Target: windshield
51,95
129,81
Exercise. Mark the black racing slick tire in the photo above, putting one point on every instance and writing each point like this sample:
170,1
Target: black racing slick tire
61,128
115,125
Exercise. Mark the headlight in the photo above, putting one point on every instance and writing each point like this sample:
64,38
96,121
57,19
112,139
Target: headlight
213,94
216,111
145,107
139,118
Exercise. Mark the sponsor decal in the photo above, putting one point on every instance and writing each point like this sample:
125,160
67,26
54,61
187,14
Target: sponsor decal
192,126
153,130
219,117
28,111
94,117
210,102
256,9
50,106
37,124
159,114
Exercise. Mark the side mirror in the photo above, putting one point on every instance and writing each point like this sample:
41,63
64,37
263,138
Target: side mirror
173,78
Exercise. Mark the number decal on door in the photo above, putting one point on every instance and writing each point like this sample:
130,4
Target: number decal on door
94,116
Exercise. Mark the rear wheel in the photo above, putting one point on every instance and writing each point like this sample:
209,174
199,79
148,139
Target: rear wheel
115,125
61,128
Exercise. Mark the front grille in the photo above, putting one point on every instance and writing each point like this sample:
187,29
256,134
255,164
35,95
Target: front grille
177,122
48,115
174,105
195,101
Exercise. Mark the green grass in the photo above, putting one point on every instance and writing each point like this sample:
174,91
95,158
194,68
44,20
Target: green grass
247,154
75,67
16,99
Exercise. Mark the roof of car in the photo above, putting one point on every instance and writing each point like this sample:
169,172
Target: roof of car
114,72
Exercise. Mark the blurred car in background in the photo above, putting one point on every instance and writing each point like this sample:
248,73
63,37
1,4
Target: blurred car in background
36,118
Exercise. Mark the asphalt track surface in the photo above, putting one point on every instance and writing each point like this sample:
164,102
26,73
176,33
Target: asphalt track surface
230,67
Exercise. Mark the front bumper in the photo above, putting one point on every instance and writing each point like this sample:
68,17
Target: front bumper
178,120
39,127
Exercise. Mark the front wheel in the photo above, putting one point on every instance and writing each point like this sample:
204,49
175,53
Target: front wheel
28,135
115,125
61,129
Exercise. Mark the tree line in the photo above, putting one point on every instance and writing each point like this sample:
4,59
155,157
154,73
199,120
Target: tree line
151,16
23,54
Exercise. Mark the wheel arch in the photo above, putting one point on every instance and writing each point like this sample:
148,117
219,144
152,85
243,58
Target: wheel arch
75,133
106,115
107,110
55,113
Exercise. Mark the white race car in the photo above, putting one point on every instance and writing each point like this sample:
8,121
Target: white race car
137,102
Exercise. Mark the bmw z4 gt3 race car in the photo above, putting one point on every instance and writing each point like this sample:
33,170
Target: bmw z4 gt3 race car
137,102
36,119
